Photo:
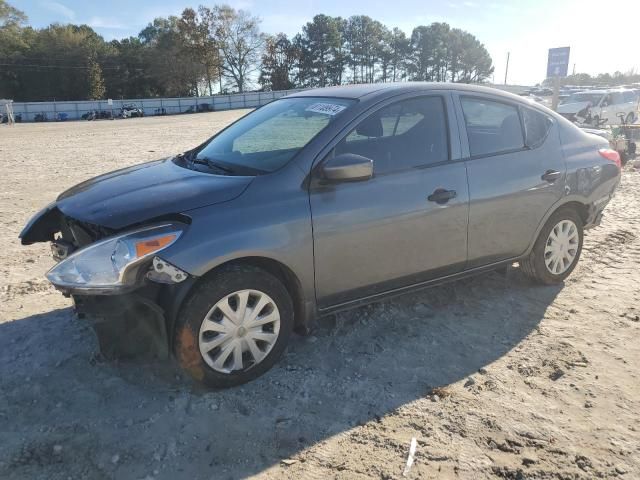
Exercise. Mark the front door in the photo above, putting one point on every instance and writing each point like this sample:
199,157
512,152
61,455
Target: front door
391,230
516,174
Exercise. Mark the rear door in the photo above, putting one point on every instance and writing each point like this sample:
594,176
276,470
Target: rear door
516,174
385,233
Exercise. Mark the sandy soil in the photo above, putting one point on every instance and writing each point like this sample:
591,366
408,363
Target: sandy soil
494,377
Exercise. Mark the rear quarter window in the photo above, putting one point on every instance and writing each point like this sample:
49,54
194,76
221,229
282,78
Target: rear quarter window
536,127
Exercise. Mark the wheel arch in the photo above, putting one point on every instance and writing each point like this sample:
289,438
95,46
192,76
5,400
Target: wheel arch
581,207
304,308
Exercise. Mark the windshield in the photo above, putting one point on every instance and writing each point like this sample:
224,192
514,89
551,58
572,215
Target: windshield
268,138
594,98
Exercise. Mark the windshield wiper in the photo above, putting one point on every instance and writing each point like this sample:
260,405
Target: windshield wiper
213,165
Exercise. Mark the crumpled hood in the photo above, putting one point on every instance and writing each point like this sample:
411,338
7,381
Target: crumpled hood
143,192
573,107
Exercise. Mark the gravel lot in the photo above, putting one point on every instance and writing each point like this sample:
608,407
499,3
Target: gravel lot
494,377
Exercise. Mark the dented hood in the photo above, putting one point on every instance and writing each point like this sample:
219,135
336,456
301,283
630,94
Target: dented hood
138,194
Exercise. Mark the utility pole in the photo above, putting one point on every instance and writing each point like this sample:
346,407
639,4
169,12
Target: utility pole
574,69
506,71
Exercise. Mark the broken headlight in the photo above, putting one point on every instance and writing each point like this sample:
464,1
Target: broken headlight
109,264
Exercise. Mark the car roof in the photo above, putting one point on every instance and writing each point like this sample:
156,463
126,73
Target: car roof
384,90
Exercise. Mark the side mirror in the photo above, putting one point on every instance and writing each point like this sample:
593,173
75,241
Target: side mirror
348,167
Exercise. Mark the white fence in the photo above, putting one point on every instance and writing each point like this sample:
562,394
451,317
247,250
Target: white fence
74,110
51,111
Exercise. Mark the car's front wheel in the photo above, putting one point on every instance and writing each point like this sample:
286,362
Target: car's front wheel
557,249
233,327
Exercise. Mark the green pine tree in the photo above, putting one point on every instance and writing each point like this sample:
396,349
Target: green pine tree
96,81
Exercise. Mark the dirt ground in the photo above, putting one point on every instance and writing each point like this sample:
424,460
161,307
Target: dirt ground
494,377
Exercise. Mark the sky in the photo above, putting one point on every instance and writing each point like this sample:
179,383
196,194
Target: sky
601,40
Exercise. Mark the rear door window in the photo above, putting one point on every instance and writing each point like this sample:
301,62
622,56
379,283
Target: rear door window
492,127
408,134
536,127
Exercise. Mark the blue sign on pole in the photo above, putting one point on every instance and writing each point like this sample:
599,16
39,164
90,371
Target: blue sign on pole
558,63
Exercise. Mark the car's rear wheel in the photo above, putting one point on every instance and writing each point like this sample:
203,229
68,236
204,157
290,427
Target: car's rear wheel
557,249
233,327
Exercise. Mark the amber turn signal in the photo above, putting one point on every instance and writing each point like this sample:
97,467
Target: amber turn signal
149,246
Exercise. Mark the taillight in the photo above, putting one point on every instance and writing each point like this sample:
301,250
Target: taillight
611,155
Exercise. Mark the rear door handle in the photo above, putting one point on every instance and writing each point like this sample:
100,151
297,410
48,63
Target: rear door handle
441,196
551,176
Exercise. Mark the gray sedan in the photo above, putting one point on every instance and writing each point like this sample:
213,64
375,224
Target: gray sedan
317,202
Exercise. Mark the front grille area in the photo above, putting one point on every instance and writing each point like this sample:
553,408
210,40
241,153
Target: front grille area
82,233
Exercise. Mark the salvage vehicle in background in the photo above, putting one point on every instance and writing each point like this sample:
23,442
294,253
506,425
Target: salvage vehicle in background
598,107
201,107
131,110
317,202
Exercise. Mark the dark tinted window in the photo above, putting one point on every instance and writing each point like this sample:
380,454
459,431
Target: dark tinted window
407,134
536,127
492,127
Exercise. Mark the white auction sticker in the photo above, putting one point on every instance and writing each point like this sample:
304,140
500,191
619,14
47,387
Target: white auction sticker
326,108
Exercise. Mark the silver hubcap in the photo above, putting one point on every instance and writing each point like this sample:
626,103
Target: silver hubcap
562,247
239,331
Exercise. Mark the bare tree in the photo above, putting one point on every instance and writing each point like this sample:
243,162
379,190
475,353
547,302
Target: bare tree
240,43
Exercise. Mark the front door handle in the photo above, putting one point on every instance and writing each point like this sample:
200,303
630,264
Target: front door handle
551,176
441,196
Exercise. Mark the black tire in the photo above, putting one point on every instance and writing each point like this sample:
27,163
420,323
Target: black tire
534,267
203,298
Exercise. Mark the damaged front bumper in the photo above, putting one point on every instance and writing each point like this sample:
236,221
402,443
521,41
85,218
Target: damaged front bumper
126,326
136,324
118,283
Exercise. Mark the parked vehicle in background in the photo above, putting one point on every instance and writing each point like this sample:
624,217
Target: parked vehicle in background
201,107
90,115
542,92
597,107
130,110
531,96
317,202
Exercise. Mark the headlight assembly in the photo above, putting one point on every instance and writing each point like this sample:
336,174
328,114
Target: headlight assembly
110,264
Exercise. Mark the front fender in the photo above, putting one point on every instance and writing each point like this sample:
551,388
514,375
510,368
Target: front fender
271,220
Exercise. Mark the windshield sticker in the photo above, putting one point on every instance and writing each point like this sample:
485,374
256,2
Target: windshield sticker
326,108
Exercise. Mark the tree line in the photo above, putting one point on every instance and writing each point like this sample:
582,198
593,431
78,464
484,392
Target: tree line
220,49
584,79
